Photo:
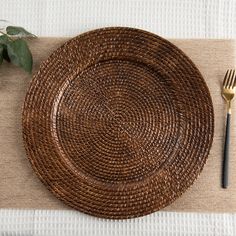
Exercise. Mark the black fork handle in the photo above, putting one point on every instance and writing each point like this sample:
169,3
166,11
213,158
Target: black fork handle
225,170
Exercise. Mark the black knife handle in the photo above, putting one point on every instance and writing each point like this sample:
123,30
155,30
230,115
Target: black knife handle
225,170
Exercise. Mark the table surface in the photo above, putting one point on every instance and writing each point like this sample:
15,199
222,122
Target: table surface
168,18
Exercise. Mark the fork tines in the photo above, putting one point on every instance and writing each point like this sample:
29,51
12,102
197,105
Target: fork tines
230,79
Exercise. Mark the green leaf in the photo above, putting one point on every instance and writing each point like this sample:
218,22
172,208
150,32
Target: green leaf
18,31
5,54
1,54
20,55
4,39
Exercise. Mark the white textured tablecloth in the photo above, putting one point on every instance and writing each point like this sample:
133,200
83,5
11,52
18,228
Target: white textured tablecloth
168,18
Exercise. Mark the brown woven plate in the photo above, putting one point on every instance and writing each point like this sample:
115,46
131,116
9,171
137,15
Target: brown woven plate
118,123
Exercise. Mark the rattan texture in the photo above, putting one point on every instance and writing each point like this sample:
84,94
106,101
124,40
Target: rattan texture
118,123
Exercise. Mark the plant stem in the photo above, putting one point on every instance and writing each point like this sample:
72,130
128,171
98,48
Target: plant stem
6,35
2,32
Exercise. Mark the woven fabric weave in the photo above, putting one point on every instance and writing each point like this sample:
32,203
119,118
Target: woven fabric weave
71,223
118,123
168,18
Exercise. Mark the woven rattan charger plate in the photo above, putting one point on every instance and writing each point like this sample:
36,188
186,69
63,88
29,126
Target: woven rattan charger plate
118,123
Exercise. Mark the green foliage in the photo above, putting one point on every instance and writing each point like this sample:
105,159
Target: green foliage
18,31
1,54
20,54
4,39
14,47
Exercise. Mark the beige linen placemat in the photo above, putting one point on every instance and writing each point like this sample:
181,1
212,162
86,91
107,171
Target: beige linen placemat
19,186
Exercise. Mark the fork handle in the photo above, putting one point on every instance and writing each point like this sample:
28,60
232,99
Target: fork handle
226,153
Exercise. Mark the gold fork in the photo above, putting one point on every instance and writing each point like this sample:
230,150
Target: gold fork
229,87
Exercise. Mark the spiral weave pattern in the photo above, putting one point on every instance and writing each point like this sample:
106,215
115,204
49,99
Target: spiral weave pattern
118,123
